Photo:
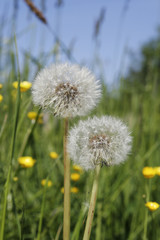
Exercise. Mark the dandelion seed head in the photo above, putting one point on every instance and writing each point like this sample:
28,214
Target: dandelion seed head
104,141
66,90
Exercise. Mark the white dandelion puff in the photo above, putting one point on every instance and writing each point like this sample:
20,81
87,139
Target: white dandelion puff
104,141
66,90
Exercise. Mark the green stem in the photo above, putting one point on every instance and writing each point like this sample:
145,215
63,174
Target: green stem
12,149
99,219
93,199
66,216
42,210
28,134
146,211
75,234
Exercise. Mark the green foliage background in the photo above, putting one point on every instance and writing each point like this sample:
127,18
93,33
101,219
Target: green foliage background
120,209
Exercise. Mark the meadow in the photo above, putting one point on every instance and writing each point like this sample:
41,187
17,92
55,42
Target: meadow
120,212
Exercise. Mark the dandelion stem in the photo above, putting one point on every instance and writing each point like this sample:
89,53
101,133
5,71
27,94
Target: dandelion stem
66,216
88,226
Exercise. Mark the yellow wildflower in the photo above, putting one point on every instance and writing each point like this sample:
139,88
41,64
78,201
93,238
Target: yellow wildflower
148,172
74,190
1,85
24,86
26,162
1,98
157,171
75,176
15,179
152,206
33,115
62,190
77,168
53,155
43,182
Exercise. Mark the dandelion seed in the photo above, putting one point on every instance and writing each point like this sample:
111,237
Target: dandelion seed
53,155
66,90
43,182
152,206
75,177
26,162
24,86
148,172
1,98
104,141
1,86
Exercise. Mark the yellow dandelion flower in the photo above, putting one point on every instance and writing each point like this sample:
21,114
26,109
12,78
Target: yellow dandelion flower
1,98
75,176
152,206
26,162
24,86
43,182
1,86
62,190
157,171
74,189
33,116
53,155
15,179
77,168
148,172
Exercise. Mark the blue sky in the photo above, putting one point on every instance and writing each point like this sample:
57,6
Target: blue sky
127,23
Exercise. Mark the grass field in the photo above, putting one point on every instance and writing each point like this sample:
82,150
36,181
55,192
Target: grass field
120,212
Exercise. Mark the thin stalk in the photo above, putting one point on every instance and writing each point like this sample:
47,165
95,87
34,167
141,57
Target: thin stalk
58,232
146,211
75,234
3,125
42,210
28,134
12,149
66,216
88,226
99,220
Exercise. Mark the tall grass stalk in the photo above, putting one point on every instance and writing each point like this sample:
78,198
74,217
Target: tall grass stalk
42,210
93,199
12,149
28,134
148,186
76,232
66,216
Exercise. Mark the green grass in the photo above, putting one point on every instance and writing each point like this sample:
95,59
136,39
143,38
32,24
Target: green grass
120,209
